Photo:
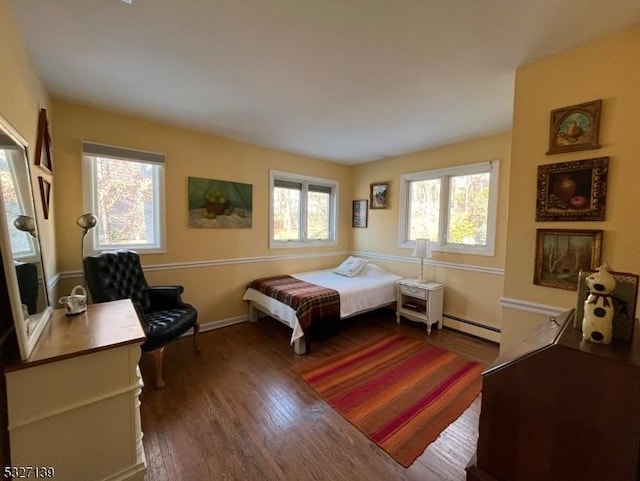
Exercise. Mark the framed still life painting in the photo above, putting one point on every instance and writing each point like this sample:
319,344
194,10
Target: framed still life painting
570,191
220,204
575,128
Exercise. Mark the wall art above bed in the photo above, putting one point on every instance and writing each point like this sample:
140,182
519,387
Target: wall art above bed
359,215
219,204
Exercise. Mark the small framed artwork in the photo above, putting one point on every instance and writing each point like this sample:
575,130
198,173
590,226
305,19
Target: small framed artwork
572,190
624,296
562,253
45,195
43,144
360,213
379,195
575,128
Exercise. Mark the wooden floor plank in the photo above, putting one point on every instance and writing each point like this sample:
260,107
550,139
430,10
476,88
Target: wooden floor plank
238,411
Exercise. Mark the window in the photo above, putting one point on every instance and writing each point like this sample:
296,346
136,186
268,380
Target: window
16,200
303,210
125,189
454,207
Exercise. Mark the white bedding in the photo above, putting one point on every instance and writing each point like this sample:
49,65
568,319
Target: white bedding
373,287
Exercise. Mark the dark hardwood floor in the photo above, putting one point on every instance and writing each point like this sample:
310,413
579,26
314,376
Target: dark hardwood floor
238,411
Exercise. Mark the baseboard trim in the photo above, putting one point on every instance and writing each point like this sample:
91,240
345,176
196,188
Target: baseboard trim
472,323
230,321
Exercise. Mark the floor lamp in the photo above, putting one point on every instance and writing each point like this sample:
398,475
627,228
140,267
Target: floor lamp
86,222
25,223
422,250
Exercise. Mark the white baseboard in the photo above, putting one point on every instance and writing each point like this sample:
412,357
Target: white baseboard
230,321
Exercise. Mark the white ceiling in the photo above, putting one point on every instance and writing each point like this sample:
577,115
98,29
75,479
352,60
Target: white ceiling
344,80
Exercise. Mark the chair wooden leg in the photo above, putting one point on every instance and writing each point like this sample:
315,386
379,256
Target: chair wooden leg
158,355
196,331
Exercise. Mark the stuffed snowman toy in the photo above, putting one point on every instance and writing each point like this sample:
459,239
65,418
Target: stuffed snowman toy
597,324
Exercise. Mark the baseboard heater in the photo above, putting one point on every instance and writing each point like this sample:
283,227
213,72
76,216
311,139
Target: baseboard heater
472,323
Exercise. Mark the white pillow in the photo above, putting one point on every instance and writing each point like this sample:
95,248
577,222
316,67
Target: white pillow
373,271
351,267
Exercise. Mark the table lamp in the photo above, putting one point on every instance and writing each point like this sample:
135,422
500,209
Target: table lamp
422,250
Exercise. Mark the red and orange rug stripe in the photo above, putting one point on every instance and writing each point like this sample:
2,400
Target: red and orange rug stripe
400,391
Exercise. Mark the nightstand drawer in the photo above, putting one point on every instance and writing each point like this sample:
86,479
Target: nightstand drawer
413,292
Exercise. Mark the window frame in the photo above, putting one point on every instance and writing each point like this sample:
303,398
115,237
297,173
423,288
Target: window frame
305,180
492,167
91,151
25,204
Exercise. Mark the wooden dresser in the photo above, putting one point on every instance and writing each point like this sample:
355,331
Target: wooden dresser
561,409
74,404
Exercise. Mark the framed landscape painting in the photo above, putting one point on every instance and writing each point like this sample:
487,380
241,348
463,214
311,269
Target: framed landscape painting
379,195
562,253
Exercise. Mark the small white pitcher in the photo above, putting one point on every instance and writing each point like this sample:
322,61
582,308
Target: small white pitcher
76,302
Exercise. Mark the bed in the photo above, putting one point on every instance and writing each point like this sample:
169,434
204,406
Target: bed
370,288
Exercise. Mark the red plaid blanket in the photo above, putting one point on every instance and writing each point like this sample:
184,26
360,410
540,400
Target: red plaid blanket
311,302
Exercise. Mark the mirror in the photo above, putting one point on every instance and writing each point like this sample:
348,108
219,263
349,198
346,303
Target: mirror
21,250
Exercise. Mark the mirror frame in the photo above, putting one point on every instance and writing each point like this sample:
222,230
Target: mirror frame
26,340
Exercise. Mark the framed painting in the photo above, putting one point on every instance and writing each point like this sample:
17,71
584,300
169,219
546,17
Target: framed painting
575,128
379,196
45,196
572,190
219,204
360,213
43,144
562,253
625,296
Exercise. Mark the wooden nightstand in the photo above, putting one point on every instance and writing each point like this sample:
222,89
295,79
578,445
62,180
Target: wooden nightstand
421,302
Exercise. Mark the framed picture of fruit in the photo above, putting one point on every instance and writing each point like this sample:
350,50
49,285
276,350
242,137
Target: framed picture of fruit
575,128
574,190
219,204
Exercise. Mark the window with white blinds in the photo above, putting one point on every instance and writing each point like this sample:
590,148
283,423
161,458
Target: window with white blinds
124,188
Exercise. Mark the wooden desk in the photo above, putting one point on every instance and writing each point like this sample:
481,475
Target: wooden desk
74,404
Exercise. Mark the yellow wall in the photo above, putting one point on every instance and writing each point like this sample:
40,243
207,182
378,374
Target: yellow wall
469,294
22,95
607,69
215,288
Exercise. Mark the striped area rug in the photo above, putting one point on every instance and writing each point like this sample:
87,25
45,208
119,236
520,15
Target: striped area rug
400,391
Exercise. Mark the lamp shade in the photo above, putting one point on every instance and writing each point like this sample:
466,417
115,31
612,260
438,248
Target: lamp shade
25,223
422,248
87,221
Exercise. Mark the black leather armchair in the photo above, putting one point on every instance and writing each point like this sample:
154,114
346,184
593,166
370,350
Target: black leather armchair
27,275
114,275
